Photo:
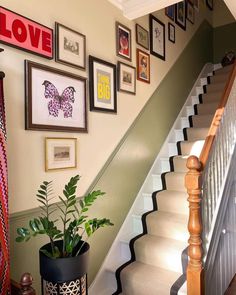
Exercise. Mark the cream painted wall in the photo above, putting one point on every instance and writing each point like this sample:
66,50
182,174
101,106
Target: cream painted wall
95,19
222,15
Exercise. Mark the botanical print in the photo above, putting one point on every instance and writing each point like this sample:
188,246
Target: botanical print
103,86
157,37
61,153
59,102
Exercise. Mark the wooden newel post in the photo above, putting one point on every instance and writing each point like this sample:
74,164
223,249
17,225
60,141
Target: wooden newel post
26,281
195,272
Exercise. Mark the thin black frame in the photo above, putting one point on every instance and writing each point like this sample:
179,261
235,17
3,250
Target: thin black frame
182,26
92,60
189,4
136,28
119,76
57,53
151,19
166,11
171,25
209,4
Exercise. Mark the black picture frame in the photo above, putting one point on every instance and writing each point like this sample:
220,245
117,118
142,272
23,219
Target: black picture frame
171,32
180,14
157,37
190,12
209,4
170,12
102,85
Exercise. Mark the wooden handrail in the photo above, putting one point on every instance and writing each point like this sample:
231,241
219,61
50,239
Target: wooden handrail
193,184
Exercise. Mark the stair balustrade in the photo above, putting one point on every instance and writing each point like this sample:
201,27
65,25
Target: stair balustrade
205,183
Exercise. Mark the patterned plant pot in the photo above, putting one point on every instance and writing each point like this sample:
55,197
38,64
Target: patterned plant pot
64,276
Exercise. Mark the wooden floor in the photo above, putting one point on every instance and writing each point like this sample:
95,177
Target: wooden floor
232,287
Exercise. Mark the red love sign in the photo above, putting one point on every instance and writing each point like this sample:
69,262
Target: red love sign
21,32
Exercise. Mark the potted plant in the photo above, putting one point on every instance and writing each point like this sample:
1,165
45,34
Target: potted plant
64,260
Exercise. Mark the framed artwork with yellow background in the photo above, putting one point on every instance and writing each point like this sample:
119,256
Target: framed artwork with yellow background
102,77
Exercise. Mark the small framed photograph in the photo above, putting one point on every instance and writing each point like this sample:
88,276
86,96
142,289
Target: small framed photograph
143,66
171,33
196,4
54,100
209,4
180,14
190,12
70,47
142,37
170,12
102,77
126,78
157,37
60,153
123,41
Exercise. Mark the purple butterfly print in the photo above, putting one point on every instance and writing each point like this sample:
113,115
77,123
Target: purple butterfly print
59,102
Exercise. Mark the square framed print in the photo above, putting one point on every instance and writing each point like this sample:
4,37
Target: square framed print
143,66
54,100
170,12
190,12
102,78
157,37
180,14
209,4
123,41
60,153
142,37
126,78
171,33
70,47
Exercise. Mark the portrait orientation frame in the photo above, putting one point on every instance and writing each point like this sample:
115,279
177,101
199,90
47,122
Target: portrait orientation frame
170,12
126,78
157,37
190,12
209,4
55,100
143,70
196,5
60,153
142,36
102,85
70,47
123,33
171,32
180,14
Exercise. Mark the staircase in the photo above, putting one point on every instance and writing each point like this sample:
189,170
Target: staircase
156,263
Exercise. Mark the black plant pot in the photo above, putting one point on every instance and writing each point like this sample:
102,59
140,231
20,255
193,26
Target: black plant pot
64,275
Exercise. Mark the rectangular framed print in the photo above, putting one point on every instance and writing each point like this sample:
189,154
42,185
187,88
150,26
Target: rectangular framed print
190,12
171,33
70,47
54,100
196,4
102,85
123,41
157,37
126,78
143,66
209,4
180,14
142,37
60,153
170,12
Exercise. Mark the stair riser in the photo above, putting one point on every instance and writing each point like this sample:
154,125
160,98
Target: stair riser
204,109
202,121
191,148
180,205
175,182
194,134
180,164
217,87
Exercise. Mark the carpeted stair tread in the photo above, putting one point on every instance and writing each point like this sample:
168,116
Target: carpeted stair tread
191,147
207,108
160,252
202,121
212,97
172,201
194,134
175,181
179,163
167,224
216,87
220,78
139,279
226,69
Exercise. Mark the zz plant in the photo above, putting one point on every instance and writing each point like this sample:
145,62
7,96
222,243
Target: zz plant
75,224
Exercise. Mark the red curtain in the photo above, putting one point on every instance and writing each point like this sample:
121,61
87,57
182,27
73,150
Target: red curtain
4,225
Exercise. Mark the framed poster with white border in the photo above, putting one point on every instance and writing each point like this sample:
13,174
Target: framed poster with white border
180,14
102,85
126,78
157,37
190,12
171,33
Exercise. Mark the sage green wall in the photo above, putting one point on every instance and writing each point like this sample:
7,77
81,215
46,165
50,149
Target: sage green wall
125,171
224,39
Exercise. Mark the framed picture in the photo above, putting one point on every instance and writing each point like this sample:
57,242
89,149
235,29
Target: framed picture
143,66
23,33
190,12
157,37
54,100
209,4
180,14
170,12
196,4
142,37
102,77
123,41
126,78
60,153
70,47
171,32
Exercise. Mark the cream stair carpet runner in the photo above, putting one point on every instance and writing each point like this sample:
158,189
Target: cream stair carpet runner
159,255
